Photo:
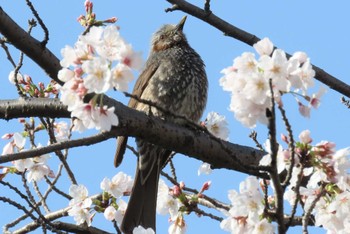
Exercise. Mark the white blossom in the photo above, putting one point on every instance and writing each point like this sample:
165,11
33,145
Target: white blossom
167,204
204,169
119,184
217,125
110,213
142,230
119,215
80,204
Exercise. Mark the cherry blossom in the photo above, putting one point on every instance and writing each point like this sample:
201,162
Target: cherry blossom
80,204
142,230
119,215
264,47
110,213
178,226
217,125
38,171
304,137
248,82
166,204
119,184
204,169
99,61
12,77
246,210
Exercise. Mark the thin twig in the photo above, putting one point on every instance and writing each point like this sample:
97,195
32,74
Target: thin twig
279,191
345,102
291,146
297,196
214,202
41,23
253,135
49,128
57,146
202,212
207,6
307,214
42,201
18,206
54,188
8,54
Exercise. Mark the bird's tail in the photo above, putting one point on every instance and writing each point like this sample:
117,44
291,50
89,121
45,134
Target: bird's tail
142,204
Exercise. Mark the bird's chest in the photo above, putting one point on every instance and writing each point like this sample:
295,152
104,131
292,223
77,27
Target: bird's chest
176,87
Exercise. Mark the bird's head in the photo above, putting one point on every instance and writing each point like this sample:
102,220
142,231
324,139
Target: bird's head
168,36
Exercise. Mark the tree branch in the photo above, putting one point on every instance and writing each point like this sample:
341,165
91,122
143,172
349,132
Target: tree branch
250,39
56,146
32,107
192,142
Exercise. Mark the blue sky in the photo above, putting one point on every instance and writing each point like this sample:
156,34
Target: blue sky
318,28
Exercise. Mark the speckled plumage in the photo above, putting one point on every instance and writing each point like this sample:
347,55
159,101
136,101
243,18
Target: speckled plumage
174,78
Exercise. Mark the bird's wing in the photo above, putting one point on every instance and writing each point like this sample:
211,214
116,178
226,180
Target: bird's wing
140,85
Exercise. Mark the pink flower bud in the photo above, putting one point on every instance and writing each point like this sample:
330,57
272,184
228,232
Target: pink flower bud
176,191
41,85
111,20
28,79
182,184
81,17
315,102
206,186
7,136
284,138
88,6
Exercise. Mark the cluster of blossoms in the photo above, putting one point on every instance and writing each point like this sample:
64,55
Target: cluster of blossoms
83,208
171,201
36,167
327,169
328,187
100,60
175,202
248,81
80,205
246,212
114,189
168,204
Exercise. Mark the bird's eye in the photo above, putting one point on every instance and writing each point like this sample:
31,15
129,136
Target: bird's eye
162,37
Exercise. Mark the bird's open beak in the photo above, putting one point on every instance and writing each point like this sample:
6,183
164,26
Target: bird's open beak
181,24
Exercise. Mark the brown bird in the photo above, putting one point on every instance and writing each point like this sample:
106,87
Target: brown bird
174,79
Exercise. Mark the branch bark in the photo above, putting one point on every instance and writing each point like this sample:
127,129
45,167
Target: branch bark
192,142
250,39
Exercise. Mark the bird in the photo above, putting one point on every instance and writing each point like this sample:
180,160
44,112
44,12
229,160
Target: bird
173,79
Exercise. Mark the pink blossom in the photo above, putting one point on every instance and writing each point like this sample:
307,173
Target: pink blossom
304,137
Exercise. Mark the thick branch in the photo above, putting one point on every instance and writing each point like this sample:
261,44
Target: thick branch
30,46
192,142
32,107
250,39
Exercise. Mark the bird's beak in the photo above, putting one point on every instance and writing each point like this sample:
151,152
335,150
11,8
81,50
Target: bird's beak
181,24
